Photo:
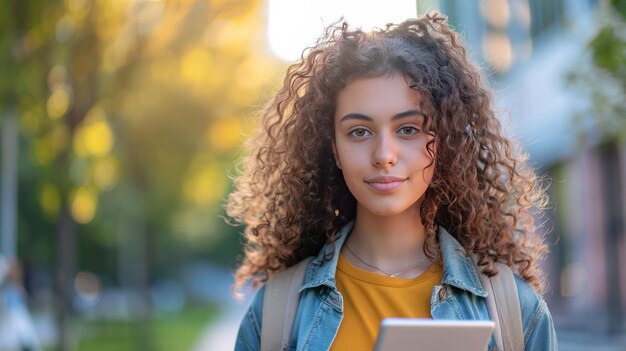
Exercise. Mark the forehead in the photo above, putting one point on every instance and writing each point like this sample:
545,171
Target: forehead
377,96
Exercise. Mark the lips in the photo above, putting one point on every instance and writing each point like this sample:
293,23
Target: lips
385,183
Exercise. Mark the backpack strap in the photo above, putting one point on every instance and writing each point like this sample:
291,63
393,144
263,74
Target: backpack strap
504,308
280,305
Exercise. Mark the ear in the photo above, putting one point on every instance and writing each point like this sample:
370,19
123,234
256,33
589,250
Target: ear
337,161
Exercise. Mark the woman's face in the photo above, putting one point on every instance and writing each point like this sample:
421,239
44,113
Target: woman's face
380,145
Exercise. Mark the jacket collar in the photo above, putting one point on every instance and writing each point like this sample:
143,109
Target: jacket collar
321,271
458,268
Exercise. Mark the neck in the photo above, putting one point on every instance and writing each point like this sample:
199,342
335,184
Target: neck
388,242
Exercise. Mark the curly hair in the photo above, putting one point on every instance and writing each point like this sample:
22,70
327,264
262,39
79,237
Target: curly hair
293,199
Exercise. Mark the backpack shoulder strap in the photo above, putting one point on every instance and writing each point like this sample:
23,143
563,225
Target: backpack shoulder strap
504,308
280,304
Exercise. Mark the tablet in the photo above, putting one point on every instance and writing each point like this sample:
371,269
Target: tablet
404,334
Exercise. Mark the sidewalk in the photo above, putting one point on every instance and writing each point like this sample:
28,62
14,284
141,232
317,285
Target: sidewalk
570,340
220,335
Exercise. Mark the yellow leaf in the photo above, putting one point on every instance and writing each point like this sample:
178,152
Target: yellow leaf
83,204
94,137
196,65
59,102
205,185
225,134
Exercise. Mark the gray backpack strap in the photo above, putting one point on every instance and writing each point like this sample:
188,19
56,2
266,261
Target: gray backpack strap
504,308
280,304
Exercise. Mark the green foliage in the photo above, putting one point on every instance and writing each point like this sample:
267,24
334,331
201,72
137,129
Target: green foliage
609,50
620,6
159,93
170,332
601,76
130,115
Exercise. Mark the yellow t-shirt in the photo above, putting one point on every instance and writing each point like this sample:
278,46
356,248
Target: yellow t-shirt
369,298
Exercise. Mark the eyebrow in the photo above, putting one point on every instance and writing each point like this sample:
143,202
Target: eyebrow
362,117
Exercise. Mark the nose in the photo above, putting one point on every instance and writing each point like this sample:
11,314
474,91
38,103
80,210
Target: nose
385,152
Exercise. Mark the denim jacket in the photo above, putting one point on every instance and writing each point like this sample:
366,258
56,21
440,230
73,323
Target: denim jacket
460,296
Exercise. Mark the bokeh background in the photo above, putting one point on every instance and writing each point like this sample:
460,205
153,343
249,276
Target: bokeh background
122,121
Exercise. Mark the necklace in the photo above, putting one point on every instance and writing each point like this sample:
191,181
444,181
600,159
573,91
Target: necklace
393,275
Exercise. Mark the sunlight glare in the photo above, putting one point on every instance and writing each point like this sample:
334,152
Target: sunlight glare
294,25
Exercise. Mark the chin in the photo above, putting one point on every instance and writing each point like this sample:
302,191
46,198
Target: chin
387,211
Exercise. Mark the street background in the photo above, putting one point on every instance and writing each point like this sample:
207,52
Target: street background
122,122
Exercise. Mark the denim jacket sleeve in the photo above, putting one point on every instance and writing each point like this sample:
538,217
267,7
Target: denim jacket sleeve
538,328
249,335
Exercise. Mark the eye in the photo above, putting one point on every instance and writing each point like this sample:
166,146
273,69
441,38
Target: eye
408,130
359,133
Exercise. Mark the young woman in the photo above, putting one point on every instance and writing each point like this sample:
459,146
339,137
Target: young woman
382,157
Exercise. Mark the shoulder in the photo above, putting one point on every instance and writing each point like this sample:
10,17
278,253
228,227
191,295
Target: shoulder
249,335
256,307
531,304
529,298
537,321
277,288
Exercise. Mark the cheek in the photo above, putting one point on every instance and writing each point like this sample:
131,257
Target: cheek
342,151
425,165
428,173
353,165
348,165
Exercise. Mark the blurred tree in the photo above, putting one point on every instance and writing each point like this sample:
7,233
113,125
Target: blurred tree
25,43
130,113
602,77
602,74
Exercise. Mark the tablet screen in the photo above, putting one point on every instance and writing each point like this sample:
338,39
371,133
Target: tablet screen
404,334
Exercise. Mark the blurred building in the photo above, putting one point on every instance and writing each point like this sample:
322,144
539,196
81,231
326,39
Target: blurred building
531,47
